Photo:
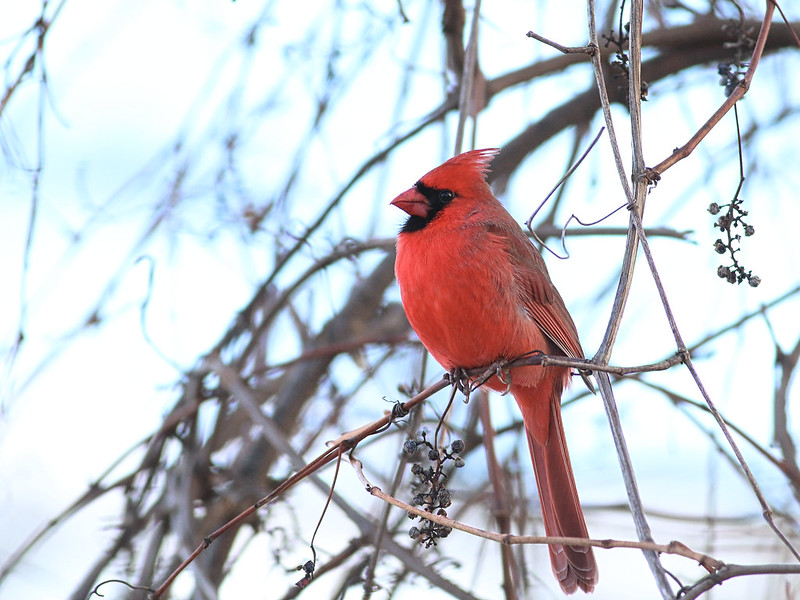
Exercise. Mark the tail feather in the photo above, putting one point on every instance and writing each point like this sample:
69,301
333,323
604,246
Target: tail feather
574,566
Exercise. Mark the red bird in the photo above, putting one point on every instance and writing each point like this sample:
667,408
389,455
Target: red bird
477,291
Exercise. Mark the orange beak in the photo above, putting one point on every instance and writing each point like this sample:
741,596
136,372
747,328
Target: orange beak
412,202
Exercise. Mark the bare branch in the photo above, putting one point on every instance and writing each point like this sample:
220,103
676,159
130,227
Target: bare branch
685,150
675,548
729,571
590,50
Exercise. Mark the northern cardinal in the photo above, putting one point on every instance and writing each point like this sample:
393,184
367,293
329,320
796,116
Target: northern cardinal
477,291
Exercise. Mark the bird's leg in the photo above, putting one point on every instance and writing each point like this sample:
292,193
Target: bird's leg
498,369
503,375
459,379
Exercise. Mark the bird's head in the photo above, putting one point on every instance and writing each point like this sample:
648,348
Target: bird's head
463,176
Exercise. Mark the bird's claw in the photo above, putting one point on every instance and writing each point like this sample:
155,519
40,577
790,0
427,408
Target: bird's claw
503,375
460,380
585,375
498,369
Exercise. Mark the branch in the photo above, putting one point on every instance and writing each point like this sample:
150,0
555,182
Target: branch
349,441
590,50
729,571
718,570
635,199
467,81
738,94
675,548
677,399
500,509
679,48
787,365
767,511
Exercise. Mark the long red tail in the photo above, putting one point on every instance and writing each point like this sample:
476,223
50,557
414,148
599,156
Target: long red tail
574,566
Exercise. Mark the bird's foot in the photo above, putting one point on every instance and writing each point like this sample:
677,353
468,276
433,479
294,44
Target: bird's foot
498,369
503,375
585,375
460,380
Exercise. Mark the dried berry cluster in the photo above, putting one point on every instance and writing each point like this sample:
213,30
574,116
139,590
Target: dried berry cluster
732,72
619,65
430,491
732,218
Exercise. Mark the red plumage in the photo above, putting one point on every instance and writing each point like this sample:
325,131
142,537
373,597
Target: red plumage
476,290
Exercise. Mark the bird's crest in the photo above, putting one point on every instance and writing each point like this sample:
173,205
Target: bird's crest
470,166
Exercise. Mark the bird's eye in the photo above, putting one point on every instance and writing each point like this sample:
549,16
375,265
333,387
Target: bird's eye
446,196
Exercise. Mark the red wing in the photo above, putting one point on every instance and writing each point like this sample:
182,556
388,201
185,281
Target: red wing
540,297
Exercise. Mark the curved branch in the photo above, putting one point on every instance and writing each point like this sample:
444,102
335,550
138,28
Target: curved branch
730,571
702,42
675,548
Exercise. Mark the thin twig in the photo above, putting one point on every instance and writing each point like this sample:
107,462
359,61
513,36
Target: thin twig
383,531
679,399
563,49
600,81
349,441
729,571
788,25
566,175
734,326
465,93
629,259
787,367
676,548
377,158
544,230
636,201
535,358
500,508
737,94
766,510
631,486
